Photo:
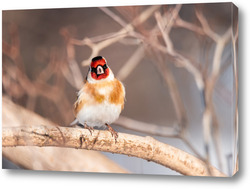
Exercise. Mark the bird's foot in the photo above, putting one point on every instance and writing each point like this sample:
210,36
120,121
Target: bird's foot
89,128
112,131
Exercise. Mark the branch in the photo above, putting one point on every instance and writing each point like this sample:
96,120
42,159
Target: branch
179,22
148,128
141,147
122,33
209,116
179,58
132,62
206,27
35,158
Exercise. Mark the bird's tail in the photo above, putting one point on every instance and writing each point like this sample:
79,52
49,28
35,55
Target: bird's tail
73,123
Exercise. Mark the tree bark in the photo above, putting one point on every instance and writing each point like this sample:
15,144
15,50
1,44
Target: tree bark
141,147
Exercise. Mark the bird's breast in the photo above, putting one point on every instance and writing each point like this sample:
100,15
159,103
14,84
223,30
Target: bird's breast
103,93
111,92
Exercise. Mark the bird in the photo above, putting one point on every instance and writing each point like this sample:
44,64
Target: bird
101,99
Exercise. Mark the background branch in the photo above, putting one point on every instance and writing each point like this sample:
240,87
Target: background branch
148,128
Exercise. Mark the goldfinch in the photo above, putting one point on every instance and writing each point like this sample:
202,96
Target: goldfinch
101,99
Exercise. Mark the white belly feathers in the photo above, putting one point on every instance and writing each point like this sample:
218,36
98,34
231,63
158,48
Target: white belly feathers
97,114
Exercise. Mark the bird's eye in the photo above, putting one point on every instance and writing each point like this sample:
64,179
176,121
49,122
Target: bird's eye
99,70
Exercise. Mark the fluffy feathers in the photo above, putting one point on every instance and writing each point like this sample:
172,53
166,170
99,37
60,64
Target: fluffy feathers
100,101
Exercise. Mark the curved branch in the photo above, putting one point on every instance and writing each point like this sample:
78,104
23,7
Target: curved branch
148,128
141,147
35,158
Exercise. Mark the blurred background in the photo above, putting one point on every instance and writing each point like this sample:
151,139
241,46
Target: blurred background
46,54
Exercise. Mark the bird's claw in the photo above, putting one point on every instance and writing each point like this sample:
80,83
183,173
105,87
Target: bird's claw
89,128
113,132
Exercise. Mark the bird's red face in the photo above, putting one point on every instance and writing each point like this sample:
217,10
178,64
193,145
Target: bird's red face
99,68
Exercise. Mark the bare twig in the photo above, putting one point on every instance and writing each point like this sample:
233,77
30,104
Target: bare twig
205,25
134,60
148,128
179,22
96,48
38,86
173,89
179,58
209,87
113,16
